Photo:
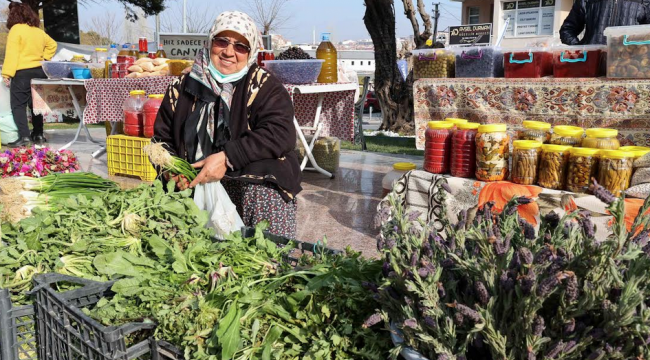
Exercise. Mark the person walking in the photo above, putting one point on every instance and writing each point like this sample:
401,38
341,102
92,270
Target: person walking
27,46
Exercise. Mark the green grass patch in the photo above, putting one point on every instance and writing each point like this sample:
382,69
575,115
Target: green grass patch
387,145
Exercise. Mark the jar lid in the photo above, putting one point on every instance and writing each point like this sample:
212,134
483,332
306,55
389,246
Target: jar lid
101,49
404,166
555,148
638,151
456,121
526,144
581,151
602,133
536,125
156,96
616,154
490,128
77,56
136,92
566,130
468,126
440,125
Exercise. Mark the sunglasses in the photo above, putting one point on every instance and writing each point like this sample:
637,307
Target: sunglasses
223,43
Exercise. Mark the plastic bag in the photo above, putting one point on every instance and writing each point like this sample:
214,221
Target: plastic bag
213,198
8,129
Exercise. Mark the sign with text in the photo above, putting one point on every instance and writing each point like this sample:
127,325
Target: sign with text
467,34
183,46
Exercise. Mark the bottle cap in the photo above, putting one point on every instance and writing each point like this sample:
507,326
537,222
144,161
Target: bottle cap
456,121
616,154
440,125
468,126
638,151
566,130
601,133
325,36
526,144
536,125
580,151
156,96
404,166
137,92
490,128
555,148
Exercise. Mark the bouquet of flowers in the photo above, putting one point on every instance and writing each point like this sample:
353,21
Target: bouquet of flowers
34,162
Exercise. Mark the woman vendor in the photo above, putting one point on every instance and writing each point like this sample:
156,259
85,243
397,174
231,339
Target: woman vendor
234,121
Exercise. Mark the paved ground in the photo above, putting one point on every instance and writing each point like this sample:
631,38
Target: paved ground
342,209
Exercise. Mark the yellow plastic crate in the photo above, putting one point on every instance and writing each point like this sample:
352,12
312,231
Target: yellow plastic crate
125,157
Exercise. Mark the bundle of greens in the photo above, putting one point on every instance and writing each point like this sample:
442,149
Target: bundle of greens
161,158
491,288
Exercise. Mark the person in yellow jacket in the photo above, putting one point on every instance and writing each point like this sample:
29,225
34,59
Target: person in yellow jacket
27,46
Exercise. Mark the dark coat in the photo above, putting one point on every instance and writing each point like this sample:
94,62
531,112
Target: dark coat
262,133
594,16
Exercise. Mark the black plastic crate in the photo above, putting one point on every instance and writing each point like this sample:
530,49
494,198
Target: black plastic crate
162,350
17,330
66,333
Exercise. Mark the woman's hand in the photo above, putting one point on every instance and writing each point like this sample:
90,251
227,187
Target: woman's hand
6,80
181,181
213,169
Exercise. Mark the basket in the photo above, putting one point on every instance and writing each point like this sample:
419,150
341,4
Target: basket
65,332
125,157
17,330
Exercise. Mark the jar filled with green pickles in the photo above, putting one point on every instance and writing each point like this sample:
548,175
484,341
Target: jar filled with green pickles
525,158
583,166
615,170
552,166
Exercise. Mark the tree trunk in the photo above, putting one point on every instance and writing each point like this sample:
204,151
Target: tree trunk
394,94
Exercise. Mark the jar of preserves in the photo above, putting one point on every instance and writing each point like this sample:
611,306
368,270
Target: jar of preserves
583,165
567,135
525,158
456,122
615,170
535,130
399,169
604,139
133,115
437,148
552,166
492,150
150,111
463,150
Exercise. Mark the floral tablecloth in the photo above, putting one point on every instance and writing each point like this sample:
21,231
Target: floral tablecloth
417,191
54,101
618,104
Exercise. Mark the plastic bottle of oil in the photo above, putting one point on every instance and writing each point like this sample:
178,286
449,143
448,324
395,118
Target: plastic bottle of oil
326,51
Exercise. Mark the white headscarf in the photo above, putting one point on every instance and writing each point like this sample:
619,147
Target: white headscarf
243,25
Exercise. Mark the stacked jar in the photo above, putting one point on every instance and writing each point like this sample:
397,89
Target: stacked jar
463,150
567,135
399,169
456,122
525,159
583,165
133,116
150,111
535,130
552,166
638,151
604,139
492,143
615,170
437,151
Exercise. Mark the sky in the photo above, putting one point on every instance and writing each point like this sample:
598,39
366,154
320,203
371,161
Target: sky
343,18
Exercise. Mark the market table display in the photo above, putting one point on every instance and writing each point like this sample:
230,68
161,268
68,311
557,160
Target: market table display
586,102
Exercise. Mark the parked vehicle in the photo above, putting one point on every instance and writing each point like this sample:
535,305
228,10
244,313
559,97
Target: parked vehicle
371,100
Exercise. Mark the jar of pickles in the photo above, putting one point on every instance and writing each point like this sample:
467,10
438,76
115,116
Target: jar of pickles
567,135
583,165
615,170
463,150
601,139
552,166
525,157
437,150
535,130
492,142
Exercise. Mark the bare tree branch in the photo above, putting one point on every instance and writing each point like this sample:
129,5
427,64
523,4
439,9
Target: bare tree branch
409,10
426,34
107,27
268,14
199,20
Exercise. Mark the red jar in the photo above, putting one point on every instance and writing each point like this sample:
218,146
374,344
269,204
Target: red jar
150,110
133,116
142,44
437,151
463,150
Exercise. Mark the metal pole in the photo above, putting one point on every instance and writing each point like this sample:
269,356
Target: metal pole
184,16
436,16
157,31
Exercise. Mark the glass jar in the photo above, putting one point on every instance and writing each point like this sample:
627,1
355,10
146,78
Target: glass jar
615,170
525,158
463,150
133,116
604,139
437,148
492,148
535,130
552,166
567,135
583,165
399,169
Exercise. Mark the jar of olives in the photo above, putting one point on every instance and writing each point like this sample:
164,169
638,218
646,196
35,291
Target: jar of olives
583,165
567,135
552,167
615,170
535,130
604,139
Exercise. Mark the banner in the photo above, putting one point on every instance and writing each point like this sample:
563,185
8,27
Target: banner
467,34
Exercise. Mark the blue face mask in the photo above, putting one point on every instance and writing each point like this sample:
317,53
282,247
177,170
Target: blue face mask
222,79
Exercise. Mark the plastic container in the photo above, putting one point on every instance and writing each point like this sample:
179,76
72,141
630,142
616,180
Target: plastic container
463,150
264,55
637,151
433,63
615,170
125,58
18,329
143,44
99,55
133,116
437,147
598,138
295,71
527,63
81,73
150,110
176,67
112,54
479,62
577,61
60,69
326,52
583,165
456,122
552,166
567,135
125,157
627,51
492,150
389,180
535,130
525,160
